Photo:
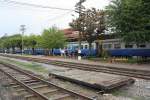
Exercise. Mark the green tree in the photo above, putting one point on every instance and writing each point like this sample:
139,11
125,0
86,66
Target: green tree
11,42
130,19
30,42
52,38
6,43
15,41
39,41
3,45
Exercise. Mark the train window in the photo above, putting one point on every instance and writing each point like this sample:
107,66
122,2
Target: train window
92,46
117,46
81,46
104,46
141,46
107,46
86,46
76,47
128,46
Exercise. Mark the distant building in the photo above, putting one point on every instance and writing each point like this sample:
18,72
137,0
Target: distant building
71,34
72,38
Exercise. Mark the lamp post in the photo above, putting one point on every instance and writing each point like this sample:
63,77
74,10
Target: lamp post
22,29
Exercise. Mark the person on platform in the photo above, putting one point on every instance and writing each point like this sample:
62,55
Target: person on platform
79,54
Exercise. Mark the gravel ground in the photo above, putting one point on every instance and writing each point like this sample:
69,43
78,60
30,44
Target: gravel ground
140,90
77,88
7,93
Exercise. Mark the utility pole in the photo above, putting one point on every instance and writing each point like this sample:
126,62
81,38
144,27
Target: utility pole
79,8
22,29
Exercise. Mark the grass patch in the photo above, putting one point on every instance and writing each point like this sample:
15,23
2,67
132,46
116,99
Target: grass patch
128,60
118,93
139,98
125,94
32,66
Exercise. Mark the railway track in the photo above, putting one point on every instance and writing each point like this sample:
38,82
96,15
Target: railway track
142,74
35,88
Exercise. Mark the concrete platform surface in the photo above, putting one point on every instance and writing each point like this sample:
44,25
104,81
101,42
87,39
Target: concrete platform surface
144,67
97,80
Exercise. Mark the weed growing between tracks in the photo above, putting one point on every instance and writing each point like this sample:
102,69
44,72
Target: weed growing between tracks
31,66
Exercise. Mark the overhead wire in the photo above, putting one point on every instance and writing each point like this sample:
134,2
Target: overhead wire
35,5
41,6
61,15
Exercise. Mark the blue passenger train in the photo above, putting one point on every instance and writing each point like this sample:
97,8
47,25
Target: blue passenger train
114,47
86,52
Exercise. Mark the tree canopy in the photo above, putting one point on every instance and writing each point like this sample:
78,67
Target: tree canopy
49,39
52,38
130,19
11,41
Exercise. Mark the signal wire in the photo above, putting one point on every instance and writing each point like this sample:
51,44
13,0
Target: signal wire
35,5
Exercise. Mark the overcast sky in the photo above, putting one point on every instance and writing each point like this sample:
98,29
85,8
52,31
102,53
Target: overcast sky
37,19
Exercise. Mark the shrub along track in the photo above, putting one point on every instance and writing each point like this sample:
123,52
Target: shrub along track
143,74
35,88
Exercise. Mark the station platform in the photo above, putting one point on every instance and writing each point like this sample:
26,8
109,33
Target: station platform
100,81
144,67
